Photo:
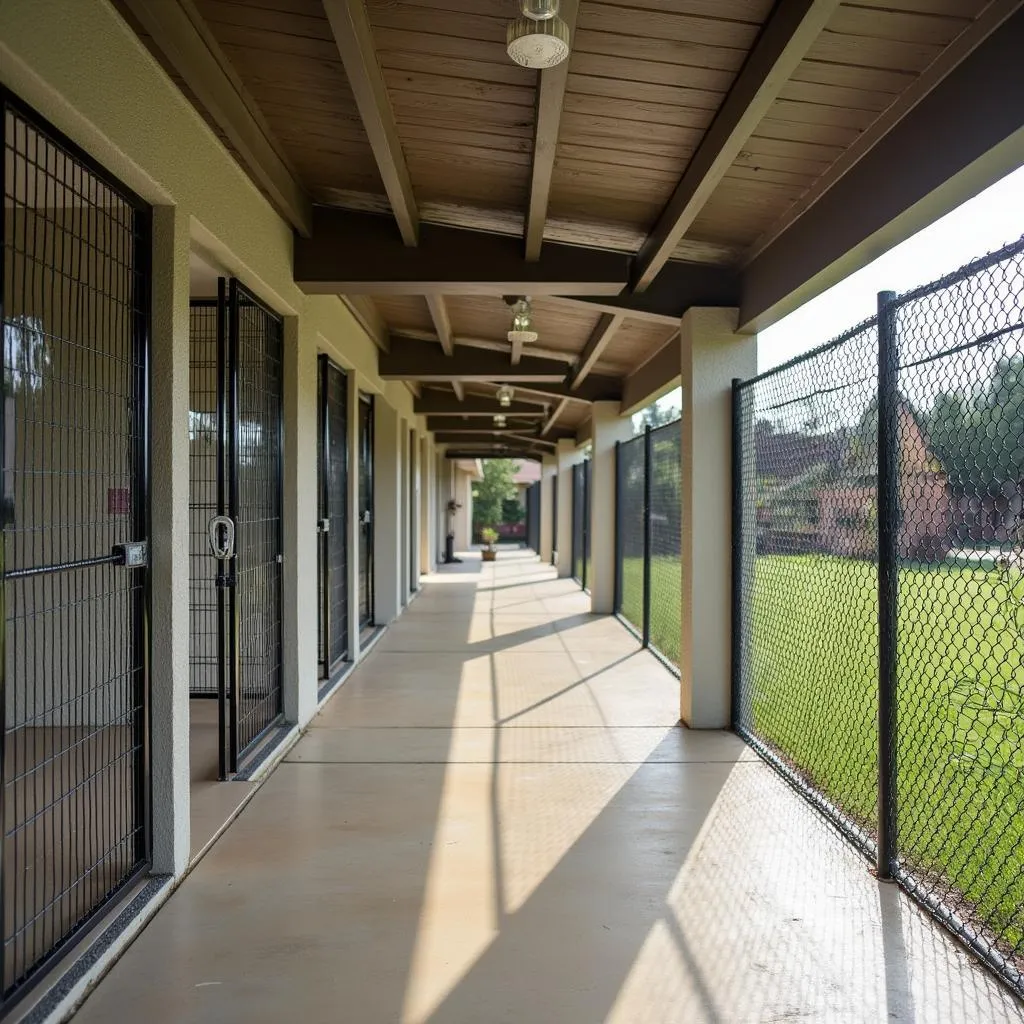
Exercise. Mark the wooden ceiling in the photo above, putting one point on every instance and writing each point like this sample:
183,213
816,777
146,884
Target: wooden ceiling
679,132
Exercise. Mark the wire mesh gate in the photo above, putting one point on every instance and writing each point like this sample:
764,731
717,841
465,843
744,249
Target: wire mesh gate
648,570
235,449
74,264
533,516
332,525
879,584
581,522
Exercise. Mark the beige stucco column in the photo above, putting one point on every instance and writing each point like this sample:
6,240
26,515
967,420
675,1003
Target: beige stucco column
606,428
169,542
566,456
712,354
387,512
548,479
299,513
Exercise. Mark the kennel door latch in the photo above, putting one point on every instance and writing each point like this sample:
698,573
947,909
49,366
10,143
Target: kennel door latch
221,533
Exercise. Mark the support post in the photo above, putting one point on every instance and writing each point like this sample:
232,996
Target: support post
169,539
712,354
645,628
299,577
617,603
607,429
888,555
566,457
427,503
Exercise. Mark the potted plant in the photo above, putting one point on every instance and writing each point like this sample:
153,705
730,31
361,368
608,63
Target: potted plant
490,538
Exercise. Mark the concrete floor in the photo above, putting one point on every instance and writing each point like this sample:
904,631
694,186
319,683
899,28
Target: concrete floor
496,819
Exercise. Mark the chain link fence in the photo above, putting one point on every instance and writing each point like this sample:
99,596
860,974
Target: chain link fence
879,598
648,574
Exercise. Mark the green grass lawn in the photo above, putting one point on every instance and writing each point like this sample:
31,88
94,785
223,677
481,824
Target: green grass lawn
812,693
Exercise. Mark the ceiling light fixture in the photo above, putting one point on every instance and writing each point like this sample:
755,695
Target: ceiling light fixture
521,330
499,420
504,395
538,38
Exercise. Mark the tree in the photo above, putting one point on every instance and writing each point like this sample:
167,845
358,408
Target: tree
656,415
490,493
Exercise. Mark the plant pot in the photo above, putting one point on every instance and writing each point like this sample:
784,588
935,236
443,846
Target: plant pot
488,554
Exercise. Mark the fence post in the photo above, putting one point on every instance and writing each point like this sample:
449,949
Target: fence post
888,552
647,537
736,638
617,600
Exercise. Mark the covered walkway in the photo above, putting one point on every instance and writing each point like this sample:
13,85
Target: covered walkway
498,819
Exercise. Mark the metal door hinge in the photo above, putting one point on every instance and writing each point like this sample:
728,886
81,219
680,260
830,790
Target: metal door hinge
323,526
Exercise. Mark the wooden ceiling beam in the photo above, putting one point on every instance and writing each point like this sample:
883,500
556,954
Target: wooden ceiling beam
485,437
353,36
488,343
460,391
530,454
442,323
600,337
904,183
554,417
550,102
415,360
351,253
783,43
678,287
191,51
474,424
436,403
596,388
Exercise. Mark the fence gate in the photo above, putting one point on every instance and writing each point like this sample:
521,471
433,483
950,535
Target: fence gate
578,519
332,526
365,511
533,517
235,460
74,268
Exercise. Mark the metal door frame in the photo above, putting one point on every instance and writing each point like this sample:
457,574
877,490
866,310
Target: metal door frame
367,471
325,536
140,526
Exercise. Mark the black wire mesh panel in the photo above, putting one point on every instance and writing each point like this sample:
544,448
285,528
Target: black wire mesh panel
365,511
666,512
204,630
533,517
578,518
256,500
808,684
414,513
75,306
333,468
554,519
960,602
630,503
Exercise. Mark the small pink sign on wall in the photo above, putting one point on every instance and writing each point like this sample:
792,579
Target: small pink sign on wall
118,501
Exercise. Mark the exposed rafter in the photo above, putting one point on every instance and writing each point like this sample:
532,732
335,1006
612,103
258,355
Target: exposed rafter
905,183
413,360
474,424
487,437
360,254
533,454
189,48
487,343
460,391
785,40
596,388
442,324
598,341
550,101
554,417
363,309
437,403
354,38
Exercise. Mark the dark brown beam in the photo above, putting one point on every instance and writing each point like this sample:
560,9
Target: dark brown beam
193,54
550,101
964,135
419,360
677,288
784,41
475,424
442,323
353,35
436,403
596,388
484,437
659,375
351,253
607,325
554,417
529,454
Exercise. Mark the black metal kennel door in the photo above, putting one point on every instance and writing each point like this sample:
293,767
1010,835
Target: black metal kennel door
332,527
235,510
365,511
74,269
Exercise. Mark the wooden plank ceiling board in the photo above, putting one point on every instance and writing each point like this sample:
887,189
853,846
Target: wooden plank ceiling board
284,53
404,312
465,115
